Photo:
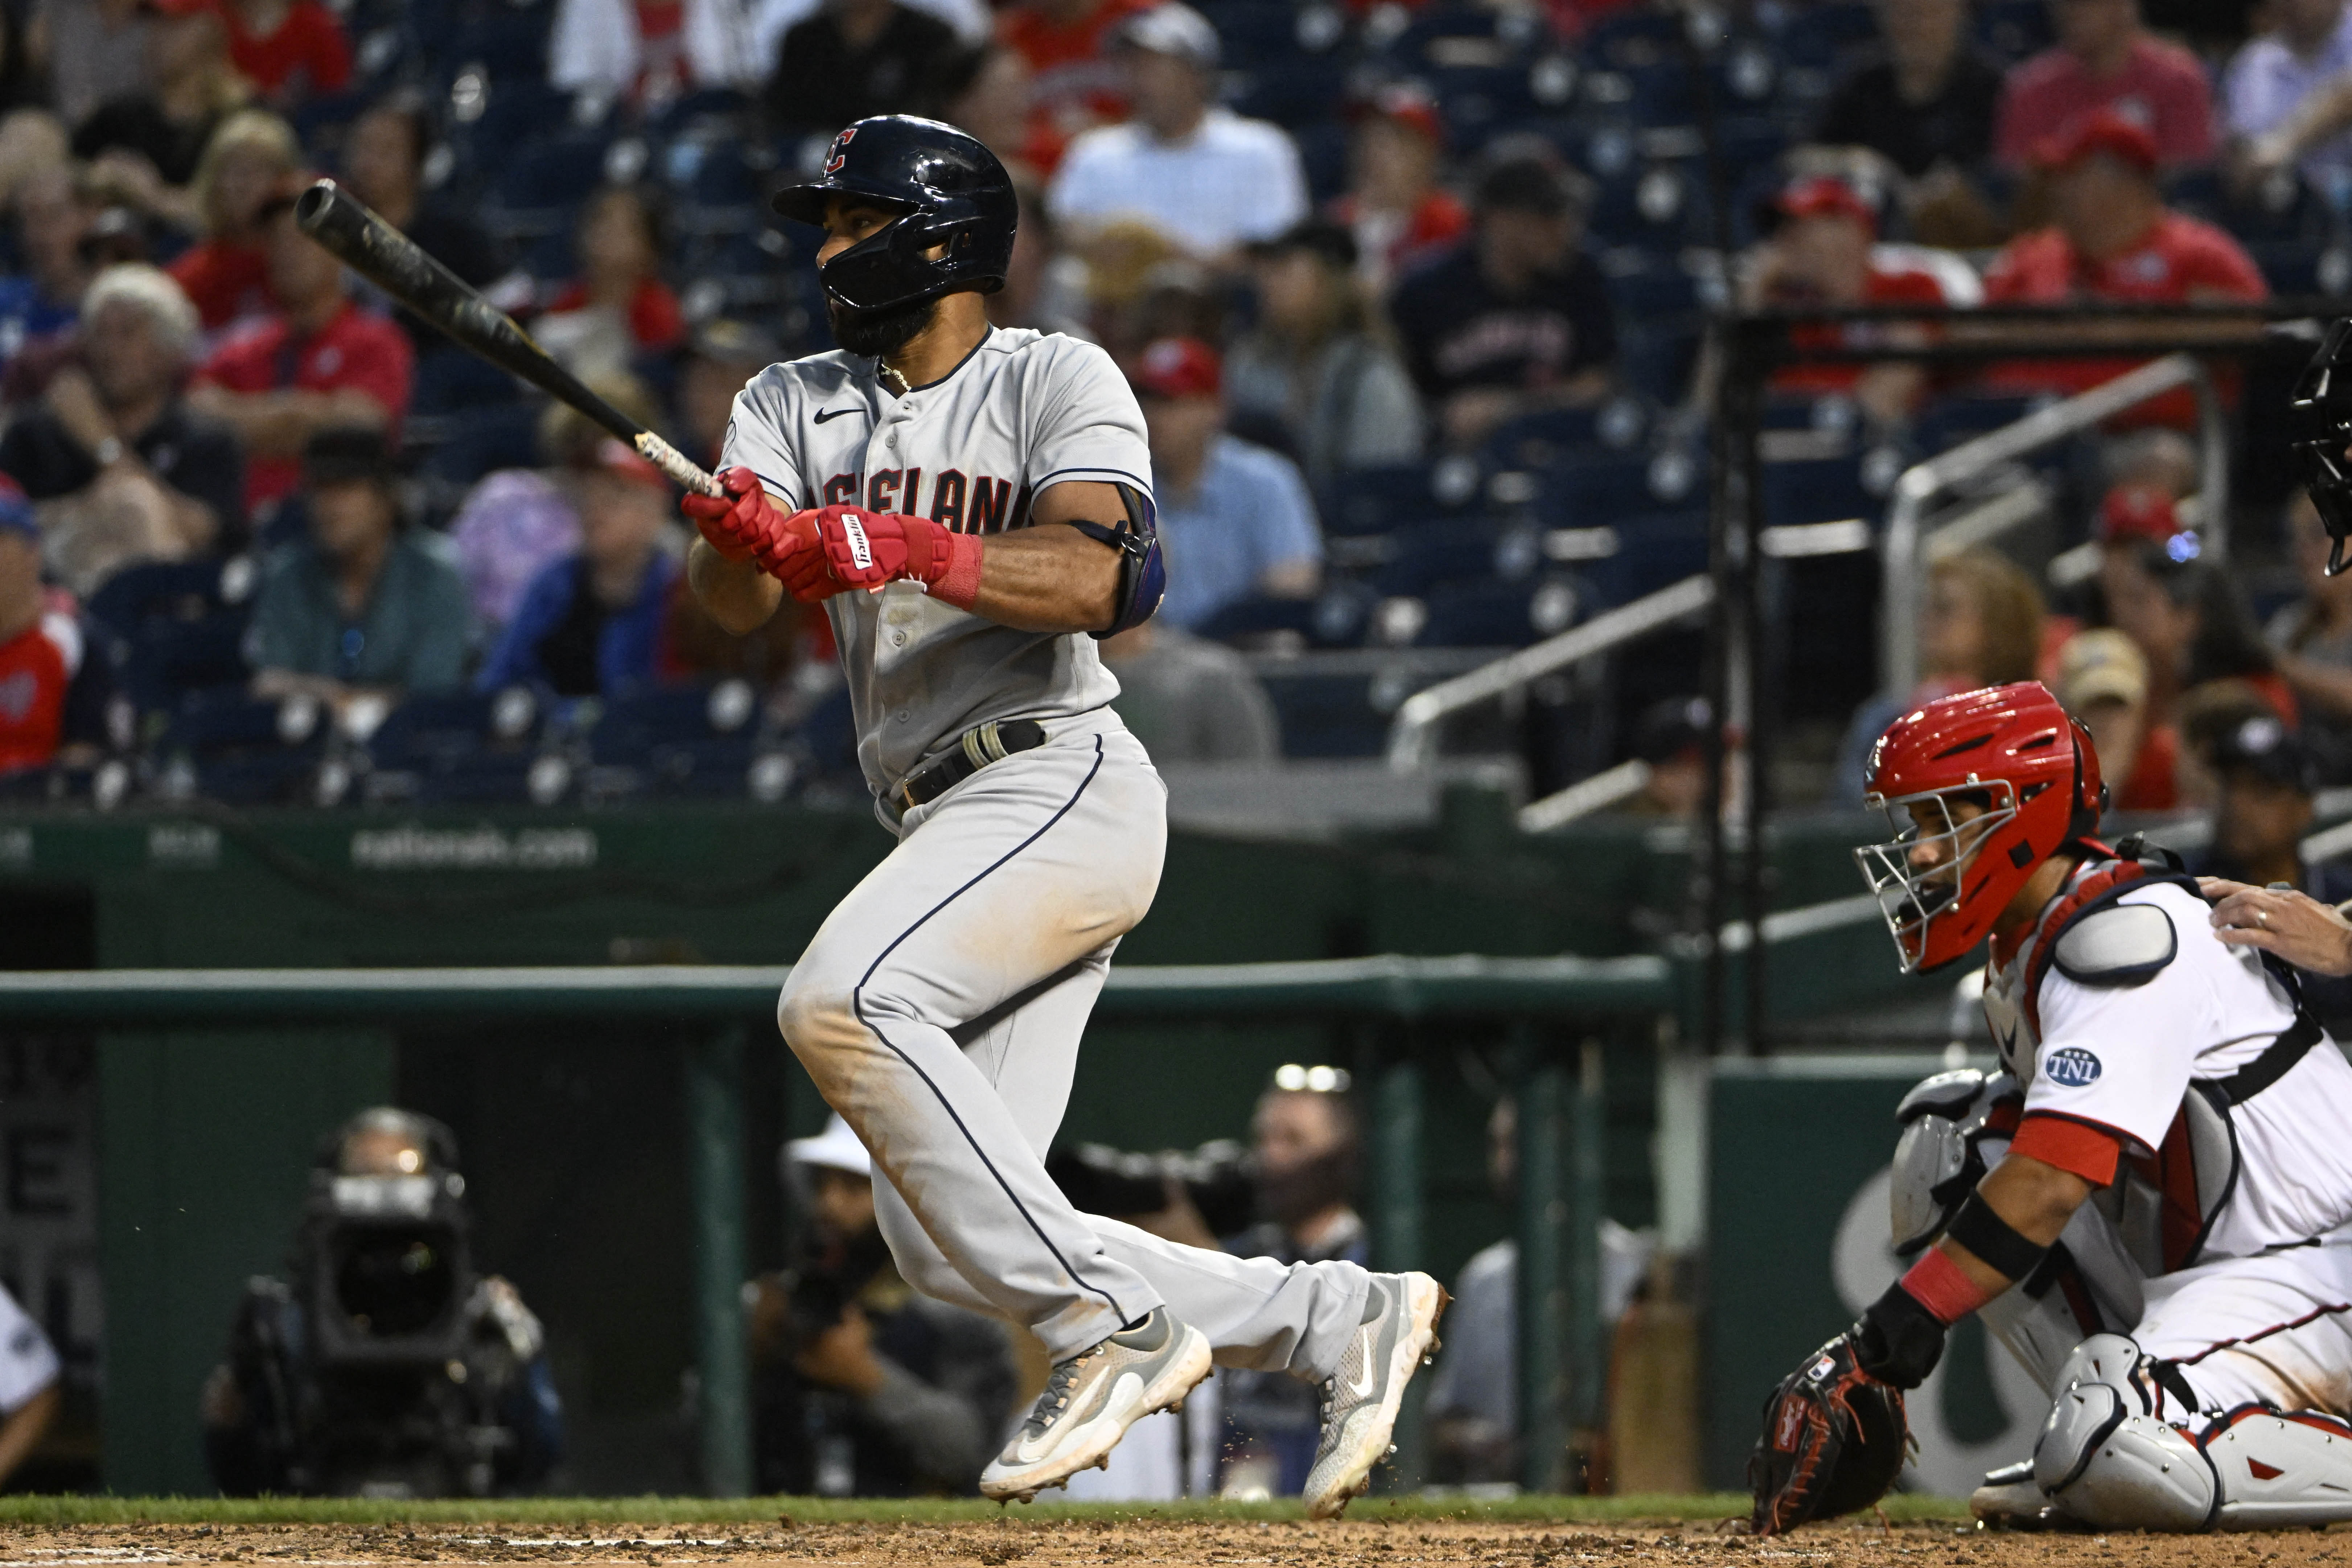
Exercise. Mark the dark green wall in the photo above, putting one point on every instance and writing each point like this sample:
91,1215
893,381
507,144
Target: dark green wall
204,1138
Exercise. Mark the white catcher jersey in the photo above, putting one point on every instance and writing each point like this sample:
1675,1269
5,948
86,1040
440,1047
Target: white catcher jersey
1024,411
2120,1057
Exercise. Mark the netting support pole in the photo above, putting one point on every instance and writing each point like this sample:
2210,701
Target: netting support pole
1588,1165
1542,1273
714,1108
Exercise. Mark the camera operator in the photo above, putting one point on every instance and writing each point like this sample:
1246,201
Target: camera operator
385,1367
864,1388
1307,1153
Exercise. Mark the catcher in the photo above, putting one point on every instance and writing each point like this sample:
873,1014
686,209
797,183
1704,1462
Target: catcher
2150,1203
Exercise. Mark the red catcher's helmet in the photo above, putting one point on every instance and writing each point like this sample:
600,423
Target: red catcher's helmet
2011,749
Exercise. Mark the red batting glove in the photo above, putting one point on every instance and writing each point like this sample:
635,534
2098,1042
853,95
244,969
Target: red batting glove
868,549
744,525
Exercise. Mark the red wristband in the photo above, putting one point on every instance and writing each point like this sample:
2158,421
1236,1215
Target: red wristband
959,583
1938,1284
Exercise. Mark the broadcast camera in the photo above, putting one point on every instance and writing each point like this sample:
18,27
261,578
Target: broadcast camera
388,1366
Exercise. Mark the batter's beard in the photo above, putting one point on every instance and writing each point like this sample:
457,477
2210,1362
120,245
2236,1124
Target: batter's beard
878,333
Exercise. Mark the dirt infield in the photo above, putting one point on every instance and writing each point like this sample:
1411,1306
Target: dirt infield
1137,1539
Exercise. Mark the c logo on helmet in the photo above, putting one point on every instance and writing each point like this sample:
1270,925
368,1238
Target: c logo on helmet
835,159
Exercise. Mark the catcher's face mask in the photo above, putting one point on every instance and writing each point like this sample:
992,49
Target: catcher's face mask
2323,401
1922,874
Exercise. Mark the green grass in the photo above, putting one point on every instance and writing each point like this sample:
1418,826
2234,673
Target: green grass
592,1513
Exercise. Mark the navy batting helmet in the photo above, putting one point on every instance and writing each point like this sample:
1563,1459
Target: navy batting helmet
952,191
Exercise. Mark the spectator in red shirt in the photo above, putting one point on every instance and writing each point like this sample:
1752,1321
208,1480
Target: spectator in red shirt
1824,252
226,276
1074,83
1400,214
618,306
53,690
291,50
2105,59
2114,240
319,364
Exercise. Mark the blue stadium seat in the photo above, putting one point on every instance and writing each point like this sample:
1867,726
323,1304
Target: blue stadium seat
1459,550
1501,615
1632,33
1338,617
1596,491
1948,422
2013,29
245,751
1821,36
483,441
1657,363
178,630
1815,489
1322,714
449,379
1654,551
1323,153
677,740
1381,499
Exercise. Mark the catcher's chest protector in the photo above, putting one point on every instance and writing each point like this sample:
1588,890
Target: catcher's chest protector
2165,1203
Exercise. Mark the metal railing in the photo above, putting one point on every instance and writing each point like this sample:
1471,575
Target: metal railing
1411,735
1907,547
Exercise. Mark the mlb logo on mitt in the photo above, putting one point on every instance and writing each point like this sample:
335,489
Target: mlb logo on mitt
1821,1369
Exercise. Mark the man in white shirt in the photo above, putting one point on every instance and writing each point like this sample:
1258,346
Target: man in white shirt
1200,174
28,1384
2288,96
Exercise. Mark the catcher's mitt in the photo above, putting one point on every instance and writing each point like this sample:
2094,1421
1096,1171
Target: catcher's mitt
1834,1441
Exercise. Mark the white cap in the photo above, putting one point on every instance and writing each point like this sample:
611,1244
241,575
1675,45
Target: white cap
1172,28
837,1149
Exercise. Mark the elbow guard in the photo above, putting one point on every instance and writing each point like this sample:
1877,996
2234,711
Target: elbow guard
1142,572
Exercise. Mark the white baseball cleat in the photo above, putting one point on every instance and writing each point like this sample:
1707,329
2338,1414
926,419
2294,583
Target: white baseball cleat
1360,1401
1090,1400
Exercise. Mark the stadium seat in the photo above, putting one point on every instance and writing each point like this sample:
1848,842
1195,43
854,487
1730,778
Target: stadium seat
1382,500
1948,422
1823,35
1654,551
2013,29
245,750
1501,615
1816,489
1340,616
675,740
1458,549
180,628
1656,362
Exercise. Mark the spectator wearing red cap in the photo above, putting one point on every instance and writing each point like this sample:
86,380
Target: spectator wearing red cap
54,685
319,363
291,50
590,624
1235,518
145,146
1398,212
2131,515
2114,240
1824,252
2104,59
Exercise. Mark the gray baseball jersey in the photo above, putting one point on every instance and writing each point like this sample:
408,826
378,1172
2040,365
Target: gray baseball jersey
1024,411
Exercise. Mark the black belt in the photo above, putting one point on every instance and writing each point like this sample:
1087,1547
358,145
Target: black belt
983,744
2273,1065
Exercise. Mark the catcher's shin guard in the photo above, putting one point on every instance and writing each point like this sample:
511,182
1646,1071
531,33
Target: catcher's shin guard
2108,1458
2278,1469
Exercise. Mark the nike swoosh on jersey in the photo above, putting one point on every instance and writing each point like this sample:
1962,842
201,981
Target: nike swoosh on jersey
831,414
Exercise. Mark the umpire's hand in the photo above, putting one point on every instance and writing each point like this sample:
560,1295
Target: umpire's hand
2295,926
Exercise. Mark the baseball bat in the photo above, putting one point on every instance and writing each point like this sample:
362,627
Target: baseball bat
343,223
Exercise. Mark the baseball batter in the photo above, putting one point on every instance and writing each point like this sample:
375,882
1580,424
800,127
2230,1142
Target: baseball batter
2150,1204
973,507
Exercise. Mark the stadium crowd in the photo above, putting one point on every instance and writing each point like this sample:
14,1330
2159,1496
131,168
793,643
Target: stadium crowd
1413,297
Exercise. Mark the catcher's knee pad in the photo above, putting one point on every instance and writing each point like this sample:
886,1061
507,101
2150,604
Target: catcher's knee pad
2108,1459
2281,1469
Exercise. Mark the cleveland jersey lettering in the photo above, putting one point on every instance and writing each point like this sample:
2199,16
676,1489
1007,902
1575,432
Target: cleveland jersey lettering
1024,411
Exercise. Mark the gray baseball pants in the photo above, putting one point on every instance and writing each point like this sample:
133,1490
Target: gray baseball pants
940,1009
